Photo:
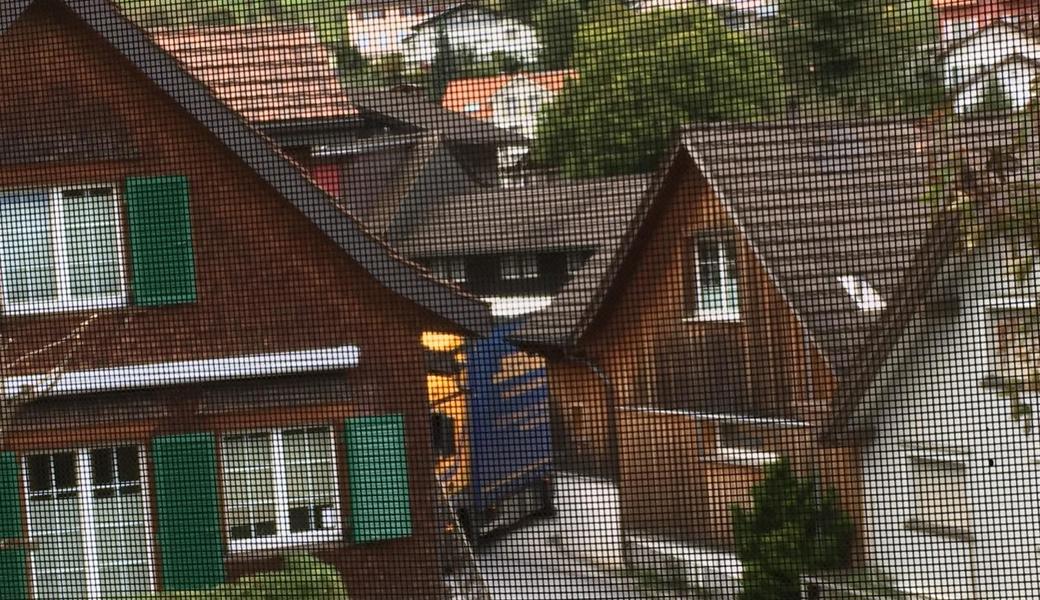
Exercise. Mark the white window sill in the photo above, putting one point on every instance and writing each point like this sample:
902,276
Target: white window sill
742,457
264,545
713,317
38,308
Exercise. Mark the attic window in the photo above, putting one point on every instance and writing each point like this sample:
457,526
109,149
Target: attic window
715,277
471,107
862,293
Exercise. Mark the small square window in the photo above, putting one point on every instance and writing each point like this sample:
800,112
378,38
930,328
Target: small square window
575,260
449,269
519,266
940,497
715,278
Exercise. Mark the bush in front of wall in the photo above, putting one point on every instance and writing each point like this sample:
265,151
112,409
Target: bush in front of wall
791,528
302,577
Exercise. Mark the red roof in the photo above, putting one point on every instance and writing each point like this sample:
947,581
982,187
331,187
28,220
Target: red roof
472,95
265,72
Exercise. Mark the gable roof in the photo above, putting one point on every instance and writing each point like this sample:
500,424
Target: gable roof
469,92
268,73
270,165
573,215
414,109
815,201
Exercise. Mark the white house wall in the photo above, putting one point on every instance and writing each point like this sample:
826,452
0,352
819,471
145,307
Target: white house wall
928,403
478,33
987,49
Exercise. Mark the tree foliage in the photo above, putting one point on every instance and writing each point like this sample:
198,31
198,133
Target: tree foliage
873,56
557,22
642,74
792,528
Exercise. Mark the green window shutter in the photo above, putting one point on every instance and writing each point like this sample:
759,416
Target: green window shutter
186,503
14,584
162,258
380,506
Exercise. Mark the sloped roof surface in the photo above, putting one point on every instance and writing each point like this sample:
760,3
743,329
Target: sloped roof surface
413,108
267,73
258,153
477,92
815,202
559,215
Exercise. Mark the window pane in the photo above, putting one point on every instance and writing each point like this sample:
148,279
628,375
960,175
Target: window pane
40,476
92,242
64,470
51,586
102,466
26,237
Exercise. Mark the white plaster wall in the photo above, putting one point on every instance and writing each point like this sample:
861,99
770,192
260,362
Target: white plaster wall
479,33
928,402
517,104
984,52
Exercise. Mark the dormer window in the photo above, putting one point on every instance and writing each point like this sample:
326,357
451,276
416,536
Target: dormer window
449,269
862,293
715,289
519,266
575,260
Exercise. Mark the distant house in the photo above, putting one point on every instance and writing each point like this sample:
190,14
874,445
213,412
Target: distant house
511,102
219,365
997,54
472,30
945,411
280,78
709,339
474,142
516,248
378,28
960,18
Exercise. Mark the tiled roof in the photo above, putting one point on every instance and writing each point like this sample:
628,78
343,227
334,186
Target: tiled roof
815,201
472,95
413,108
267,73
560,215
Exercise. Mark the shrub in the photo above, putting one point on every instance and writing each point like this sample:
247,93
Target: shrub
792,528
303,577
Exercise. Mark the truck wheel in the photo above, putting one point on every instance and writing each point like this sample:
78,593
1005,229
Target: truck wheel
545,488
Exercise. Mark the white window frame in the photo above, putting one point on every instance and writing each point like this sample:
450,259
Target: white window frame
65,302
742,454
730,310
284,538
84,487
922,518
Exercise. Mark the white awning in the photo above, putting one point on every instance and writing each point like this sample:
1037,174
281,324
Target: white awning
182,372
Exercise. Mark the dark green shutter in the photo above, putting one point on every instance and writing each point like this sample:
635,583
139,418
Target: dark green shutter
186,503
162,258
380,507
13,582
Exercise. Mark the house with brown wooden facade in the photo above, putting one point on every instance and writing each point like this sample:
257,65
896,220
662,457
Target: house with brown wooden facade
210,363
710,338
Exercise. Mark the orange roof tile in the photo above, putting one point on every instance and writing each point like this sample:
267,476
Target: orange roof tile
265,72
472,95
